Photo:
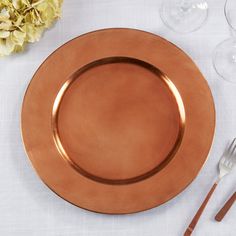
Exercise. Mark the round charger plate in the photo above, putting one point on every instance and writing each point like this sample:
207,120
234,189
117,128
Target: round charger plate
118,121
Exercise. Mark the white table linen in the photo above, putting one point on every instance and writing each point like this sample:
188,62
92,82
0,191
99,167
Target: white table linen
28,207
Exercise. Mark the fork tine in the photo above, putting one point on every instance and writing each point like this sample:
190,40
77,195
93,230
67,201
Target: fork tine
232,147
233,150
232,155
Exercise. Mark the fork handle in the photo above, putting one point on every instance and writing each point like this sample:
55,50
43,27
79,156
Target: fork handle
196,218
226,208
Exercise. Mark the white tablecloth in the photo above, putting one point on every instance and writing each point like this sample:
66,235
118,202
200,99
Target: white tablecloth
28,207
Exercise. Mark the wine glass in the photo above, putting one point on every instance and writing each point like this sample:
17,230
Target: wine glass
224,58
184,16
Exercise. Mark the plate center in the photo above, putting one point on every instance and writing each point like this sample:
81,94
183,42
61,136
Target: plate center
118,121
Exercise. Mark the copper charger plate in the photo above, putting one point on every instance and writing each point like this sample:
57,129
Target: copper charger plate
118,121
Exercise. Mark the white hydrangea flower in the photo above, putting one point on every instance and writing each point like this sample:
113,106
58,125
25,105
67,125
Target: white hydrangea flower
23,21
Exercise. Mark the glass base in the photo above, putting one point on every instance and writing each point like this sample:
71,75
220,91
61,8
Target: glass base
184,16
224,60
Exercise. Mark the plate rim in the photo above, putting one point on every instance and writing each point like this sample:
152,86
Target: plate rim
102,30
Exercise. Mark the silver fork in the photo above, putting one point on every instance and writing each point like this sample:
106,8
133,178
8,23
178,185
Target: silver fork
226,164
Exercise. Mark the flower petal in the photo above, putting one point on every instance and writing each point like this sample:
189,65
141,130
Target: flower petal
6,47
4,14
4,34
6,25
